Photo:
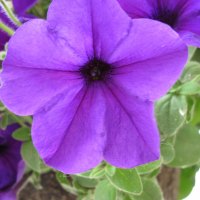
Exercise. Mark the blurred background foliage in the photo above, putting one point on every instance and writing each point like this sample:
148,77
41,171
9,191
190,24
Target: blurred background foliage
178,118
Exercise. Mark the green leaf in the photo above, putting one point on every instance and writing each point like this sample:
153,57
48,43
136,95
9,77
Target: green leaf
187,181
193,116
35,179
151,191
189,88
31,157
171,113
2,55
190,72
66,183
97,172
22,134
4,121
62,178
167,152
126,180
196,56
192,51
85,182
187,147
148,168
79,188
85,174
110,170
105,191
154,173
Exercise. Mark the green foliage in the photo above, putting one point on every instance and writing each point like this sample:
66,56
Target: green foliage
62,178
22,134
85,182
189,88
187,181
187,147
148,168
151,191
31,157
171,113
191,71
4,121
126,180
110,170
95,173
105,191
167,152
192,51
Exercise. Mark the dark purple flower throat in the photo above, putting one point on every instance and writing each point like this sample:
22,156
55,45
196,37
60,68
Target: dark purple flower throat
166,16
95,70
3,144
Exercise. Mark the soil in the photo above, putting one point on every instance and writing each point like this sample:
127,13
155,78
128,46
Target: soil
51,190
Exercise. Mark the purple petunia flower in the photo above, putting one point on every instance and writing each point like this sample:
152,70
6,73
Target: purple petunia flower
21,6
182,15
89,75
3,36
11,165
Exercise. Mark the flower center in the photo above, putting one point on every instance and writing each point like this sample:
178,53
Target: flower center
95,70
166,16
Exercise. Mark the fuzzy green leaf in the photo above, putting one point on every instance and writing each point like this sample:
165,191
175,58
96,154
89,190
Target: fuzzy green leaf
126,180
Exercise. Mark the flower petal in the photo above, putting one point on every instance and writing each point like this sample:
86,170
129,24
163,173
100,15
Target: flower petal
132,135
101,24
36,45
71,135
145,64
137,8
8,173
25,90
188,25
8,195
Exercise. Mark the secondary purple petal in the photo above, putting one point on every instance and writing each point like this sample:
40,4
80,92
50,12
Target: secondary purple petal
9,160
76,125
132,135
11,193
8,173
8,195
182,15
188,26
21,6
141,65
137,8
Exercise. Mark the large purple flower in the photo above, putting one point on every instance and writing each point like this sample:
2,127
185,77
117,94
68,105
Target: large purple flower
11,166
21,6
182,15
89,75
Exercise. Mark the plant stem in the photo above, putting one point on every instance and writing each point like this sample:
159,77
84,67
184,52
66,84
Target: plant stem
17,119
9,13
6,29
